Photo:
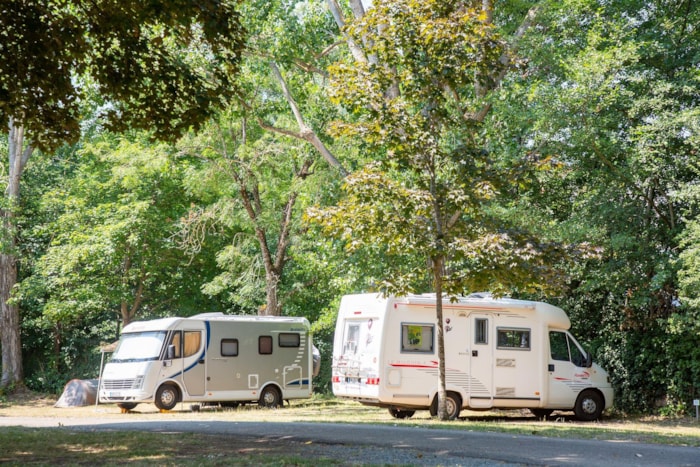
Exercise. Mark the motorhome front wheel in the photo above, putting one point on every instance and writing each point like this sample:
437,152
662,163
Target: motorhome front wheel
589,406
167,397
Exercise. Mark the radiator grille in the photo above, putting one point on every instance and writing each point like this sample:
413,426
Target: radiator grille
116,384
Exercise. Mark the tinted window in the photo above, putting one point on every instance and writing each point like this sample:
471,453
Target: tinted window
289,339
265,345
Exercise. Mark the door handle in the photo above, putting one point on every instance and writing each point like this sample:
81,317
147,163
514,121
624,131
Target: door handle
475,353
550,367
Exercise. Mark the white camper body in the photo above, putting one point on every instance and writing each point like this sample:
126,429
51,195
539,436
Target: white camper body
210,358
499,353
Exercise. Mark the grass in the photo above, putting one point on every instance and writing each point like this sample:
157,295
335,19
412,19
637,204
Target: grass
51,446
47,446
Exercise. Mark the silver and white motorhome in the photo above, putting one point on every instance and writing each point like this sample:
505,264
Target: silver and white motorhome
210,358
499,353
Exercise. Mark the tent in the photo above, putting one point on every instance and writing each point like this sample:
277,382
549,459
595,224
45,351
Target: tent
78,393
82,392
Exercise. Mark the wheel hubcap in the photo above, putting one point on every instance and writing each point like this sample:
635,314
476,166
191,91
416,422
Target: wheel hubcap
589,406
167,397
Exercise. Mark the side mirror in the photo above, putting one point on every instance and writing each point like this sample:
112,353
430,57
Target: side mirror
170,354
589,360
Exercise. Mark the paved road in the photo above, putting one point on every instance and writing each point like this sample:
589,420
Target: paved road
474,448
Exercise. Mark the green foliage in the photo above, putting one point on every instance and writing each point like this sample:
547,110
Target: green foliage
98,228
607,99
435,193
147,60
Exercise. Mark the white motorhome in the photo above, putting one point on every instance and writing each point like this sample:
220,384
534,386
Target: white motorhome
210,358
499,353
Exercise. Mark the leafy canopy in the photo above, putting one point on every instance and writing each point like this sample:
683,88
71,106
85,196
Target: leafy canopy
160,64
434,194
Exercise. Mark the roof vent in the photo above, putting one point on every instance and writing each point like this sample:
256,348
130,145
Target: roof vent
480,295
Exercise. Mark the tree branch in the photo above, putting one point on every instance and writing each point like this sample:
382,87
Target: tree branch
305,133
505,59
355,50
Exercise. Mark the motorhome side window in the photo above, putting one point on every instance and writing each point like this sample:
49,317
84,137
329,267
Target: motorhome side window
417,338
229,347
514,338
265,345
289,339
481,331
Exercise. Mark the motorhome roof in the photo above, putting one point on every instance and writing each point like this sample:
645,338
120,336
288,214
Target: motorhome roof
476,300
151,325
167,323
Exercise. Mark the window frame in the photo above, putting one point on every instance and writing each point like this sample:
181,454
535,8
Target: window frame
405,349
289,344
229,341
262,339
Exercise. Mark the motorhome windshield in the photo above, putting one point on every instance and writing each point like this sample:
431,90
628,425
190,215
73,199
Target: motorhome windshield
139,346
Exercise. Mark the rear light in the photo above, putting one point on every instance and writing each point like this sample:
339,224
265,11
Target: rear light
336,379
373,381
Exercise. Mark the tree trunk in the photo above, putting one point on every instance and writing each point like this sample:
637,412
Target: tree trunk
442,386
9,320
9,312
272,305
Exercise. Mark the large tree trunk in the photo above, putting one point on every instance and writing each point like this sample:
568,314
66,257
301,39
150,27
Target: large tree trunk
9,311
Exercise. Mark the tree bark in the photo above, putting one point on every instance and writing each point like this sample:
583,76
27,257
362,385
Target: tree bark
9,312
442,385
355,49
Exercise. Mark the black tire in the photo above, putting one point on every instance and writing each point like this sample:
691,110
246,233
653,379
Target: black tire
589,406
454,406
167,397
401,413
229,404
127,405
541,413
270,397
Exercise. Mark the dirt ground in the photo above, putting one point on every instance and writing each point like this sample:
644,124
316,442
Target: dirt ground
256,451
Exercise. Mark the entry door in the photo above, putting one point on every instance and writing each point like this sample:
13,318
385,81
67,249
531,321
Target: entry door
481,361
194,363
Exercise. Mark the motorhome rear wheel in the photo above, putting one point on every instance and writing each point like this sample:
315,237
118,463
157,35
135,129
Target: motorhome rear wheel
453,405
270,397
401,413
541,413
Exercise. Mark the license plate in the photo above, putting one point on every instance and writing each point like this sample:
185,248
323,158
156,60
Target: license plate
115,394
